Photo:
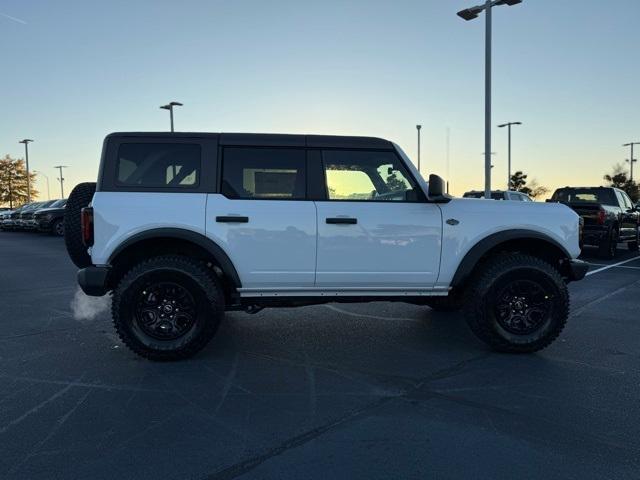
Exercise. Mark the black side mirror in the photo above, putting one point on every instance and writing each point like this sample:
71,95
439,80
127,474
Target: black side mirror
436,186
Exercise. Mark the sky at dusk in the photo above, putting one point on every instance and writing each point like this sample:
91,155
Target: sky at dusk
569,70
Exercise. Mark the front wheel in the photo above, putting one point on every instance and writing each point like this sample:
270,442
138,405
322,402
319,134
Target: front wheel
517,303
57,228
167,308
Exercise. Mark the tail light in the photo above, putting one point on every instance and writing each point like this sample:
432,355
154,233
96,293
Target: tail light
601,216
86,226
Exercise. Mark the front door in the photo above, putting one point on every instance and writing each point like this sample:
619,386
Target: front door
375,231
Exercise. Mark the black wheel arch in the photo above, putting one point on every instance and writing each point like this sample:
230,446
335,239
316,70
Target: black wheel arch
162,241
520,240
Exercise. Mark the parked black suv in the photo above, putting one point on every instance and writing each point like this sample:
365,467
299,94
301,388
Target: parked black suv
51,219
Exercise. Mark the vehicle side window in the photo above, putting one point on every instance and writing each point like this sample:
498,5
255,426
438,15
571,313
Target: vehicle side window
621,199
367,175
159,165
627,201
515,196
264,173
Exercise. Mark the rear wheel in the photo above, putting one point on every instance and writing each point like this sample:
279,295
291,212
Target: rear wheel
167,308
609,245
80,197
517,303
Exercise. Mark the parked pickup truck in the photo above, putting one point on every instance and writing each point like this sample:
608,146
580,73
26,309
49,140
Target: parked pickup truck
182,227
609,215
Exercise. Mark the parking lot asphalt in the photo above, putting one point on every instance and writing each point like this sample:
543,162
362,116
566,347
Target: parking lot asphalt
382,390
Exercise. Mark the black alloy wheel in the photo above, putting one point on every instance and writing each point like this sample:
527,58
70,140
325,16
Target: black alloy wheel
165,310
523,306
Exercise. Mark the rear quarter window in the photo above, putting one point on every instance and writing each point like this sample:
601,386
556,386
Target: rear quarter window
165,165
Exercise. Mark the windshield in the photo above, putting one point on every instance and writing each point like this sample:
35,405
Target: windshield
603,196
58,203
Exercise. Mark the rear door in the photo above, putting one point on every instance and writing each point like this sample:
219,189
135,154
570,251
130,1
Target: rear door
261,217
375,230
149,183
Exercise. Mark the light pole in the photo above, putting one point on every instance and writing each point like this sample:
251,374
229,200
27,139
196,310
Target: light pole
60,167
509,147
418,128
470,14
169,106
26,142
631,160
47,179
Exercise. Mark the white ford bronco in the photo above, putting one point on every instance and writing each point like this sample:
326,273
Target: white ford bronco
181,227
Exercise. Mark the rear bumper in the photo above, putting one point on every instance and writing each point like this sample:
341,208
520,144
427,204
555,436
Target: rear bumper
577,269
593,235
93,280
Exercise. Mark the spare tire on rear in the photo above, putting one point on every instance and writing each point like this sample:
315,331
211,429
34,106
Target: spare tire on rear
80,197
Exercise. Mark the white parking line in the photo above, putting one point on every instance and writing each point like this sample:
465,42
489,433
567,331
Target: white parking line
597,270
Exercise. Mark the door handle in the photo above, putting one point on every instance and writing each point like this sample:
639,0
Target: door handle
341,221
232,219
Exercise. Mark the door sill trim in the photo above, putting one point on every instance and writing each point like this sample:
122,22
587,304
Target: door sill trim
344,292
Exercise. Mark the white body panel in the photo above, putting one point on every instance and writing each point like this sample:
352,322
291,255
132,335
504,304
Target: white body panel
394,244
288,249
121,215
480,218
276,248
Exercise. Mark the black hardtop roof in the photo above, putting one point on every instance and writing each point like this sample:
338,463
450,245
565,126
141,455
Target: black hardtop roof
273,139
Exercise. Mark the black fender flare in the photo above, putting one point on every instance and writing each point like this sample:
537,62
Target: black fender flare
199,239
476,252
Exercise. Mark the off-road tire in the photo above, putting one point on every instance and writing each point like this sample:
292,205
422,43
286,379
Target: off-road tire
492,278
609,246
190,274
451,303
57,228
80,197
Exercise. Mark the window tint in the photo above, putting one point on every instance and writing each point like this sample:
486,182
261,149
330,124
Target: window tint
159,165
366,175
589,195
264,173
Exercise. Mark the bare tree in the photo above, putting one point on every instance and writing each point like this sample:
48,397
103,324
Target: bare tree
518,183
618,179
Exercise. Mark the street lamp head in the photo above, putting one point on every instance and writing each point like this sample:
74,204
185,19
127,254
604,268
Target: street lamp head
166,107
418,127
509,2
25,141
470,13
175,104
